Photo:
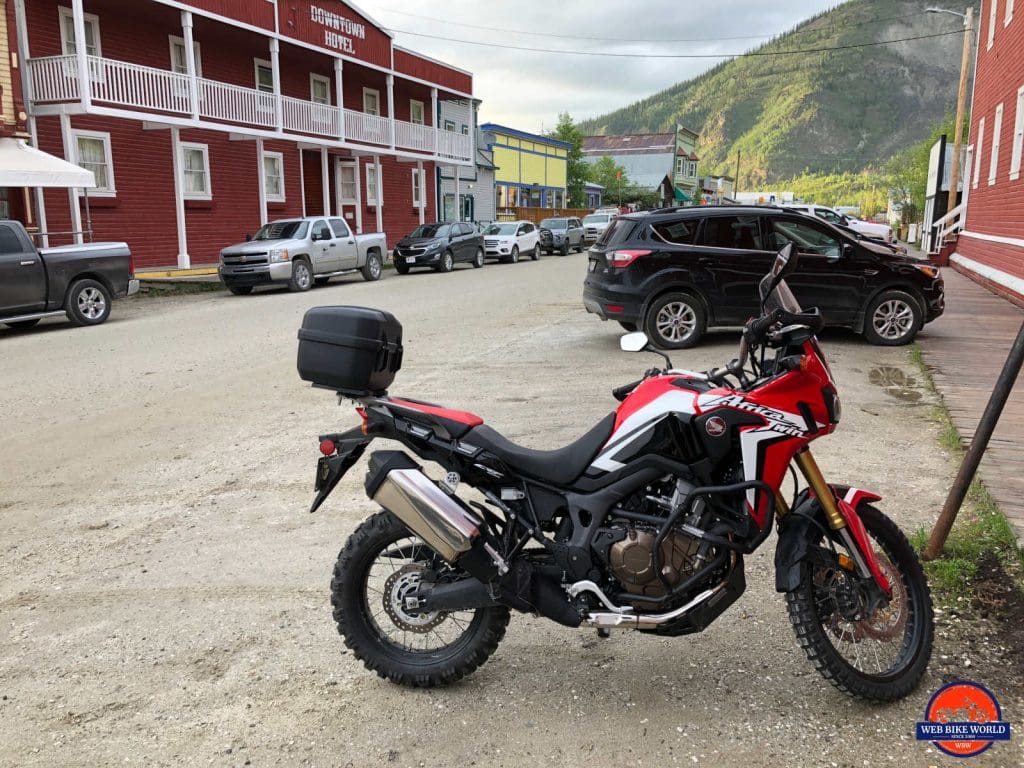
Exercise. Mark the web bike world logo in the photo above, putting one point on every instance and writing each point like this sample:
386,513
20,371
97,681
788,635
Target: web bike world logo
963,719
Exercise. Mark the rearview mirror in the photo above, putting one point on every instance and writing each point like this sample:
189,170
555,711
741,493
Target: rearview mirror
633,342
785,263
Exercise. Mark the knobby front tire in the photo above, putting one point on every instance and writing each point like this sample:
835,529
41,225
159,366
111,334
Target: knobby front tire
884,657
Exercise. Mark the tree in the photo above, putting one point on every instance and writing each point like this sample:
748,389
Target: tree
610,176
908,171
577,170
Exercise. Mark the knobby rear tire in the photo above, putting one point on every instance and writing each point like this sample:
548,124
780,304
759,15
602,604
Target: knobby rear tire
810,631
417,669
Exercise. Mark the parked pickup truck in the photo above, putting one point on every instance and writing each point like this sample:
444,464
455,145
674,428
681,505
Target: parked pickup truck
79,281
301,252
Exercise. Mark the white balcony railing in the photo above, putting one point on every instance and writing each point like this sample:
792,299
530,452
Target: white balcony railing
369,129
310,117
54,79
413,136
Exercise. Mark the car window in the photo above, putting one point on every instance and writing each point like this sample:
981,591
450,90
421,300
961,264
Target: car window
681,232
528,228
465,229
596,218
9,241
340,228
501,229
282,230
739,232
553,223
806,237
432,230
321,231
828,215
618,230
575,223
521,230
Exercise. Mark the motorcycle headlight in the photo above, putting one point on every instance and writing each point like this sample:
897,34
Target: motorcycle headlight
278,254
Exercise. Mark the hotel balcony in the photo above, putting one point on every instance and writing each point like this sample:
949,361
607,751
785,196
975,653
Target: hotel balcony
152,93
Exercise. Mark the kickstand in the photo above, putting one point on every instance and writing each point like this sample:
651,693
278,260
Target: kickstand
604,633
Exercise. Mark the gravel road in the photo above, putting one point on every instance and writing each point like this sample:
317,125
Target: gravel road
163,589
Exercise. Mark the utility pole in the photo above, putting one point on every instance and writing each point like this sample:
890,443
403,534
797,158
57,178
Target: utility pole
961,98
736,186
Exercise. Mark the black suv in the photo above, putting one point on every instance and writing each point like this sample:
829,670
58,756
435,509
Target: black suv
673,273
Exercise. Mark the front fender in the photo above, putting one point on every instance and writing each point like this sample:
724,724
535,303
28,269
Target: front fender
800,527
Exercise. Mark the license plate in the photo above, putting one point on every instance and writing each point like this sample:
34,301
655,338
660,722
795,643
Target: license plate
592,267
410,259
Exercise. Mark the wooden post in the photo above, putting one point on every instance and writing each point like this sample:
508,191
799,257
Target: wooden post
736,186
961,98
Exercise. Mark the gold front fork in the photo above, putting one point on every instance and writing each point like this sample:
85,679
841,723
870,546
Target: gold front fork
809,467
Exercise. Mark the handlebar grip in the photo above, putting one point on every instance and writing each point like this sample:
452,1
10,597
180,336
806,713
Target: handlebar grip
621,393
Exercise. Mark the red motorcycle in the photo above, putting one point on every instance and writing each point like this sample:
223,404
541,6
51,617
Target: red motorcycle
642,523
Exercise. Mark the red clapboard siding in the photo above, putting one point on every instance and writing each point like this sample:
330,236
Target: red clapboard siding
997,209
256,12
410,64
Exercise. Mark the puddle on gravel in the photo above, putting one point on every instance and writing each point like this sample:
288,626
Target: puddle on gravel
896,383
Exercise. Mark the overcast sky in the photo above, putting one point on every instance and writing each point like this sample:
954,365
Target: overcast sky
527,90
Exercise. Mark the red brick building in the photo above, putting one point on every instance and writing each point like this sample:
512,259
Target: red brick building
990,247
203,118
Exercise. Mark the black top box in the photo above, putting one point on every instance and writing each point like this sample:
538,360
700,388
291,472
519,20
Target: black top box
355,351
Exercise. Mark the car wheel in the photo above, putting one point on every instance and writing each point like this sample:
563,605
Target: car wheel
628,326
478,260
22,325
565,248
514,258
402,269
675,321
579,246
87,302
893,319
535,254
320,280
302,277
447,263
372,268
240,290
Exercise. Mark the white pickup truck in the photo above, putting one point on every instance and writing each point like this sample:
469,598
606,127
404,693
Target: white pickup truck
301,252
866,228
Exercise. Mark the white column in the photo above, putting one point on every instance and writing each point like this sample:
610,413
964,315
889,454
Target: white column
275,68
84,83
434,118
302,182
359,198
262,182
391,108
380,196
184,262
458,204
190,62
423,190
339,96
71,156
325,181
21,31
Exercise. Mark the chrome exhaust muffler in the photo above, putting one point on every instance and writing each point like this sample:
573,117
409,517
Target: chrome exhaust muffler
443,522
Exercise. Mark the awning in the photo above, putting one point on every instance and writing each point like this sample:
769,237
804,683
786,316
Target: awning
25,166
682,196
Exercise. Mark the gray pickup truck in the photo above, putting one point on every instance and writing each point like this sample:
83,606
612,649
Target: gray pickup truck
79,281
301,252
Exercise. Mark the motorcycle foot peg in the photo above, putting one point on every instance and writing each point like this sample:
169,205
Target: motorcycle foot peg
604,633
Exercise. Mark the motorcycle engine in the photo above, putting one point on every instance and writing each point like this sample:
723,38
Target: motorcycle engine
631,560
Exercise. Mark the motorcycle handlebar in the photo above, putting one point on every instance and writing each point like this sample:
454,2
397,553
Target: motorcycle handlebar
621,393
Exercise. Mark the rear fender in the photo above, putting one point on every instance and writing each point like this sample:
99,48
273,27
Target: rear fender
349,447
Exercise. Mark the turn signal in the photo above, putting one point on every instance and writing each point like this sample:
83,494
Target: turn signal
620,259
327,447
845,562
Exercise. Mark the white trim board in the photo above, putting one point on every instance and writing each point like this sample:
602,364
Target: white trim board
997,276
1014,241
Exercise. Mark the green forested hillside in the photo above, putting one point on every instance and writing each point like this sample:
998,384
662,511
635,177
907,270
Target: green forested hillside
835,111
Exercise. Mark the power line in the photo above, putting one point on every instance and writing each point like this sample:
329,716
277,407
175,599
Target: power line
639,40
674,55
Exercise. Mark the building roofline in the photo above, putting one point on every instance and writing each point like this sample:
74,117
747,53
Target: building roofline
419,55
495,127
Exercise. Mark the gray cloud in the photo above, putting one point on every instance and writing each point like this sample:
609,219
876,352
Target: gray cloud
527,89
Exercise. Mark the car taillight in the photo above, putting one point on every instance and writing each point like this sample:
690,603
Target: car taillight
131,265
620,259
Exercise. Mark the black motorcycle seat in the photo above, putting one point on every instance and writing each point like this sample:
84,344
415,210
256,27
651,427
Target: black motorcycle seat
558,467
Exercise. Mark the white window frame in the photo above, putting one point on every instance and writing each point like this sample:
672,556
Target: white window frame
680,166
979,149
449,125
326,81
416,202
272,198
376,96
997,129
111,189
354,200
992,11
205,149
256,64
371,193
90,18
465,130
196,51
1018,137
1008,16
412,112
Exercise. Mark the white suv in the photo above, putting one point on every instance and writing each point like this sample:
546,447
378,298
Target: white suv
508,239
880,231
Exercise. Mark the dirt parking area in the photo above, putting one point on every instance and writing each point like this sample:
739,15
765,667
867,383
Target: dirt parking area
163,589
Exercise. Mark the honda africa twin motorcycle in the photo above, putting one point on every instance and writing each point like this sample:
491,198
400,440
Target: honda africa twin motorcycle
642,523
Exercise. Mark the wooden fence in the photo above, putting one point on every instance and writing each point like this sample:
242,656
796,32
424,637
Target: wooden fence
536,214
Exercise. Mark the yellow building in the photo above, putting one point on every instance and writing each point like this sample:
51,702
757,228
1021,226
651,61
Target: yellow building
530,170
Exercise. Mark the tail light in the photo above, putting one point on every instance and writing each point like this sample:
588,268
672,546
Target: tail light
621,259
131,264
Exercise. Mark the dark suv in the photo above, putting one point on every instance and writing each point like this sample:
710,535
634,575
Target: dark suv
673,273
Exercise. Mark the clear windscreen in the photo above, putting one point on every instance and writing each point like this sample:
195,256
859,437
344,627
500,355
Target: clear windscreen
780,298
